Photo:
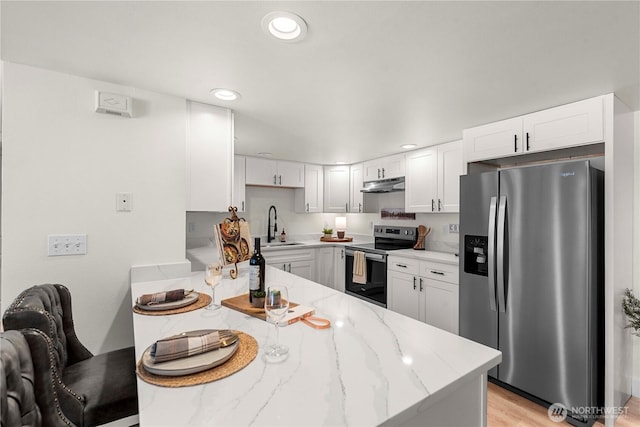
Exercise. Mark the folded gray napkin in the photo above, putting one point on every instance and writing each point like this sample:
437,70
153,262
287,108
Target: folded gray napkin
184,345
160,297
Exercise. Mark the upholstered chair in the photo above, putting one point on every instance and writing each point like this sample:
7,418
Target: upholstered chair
93,389
28,395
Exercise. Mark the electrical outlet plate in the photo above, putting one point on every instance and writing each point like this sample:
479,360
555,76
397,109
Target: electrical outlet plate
453,228
124,202
66,244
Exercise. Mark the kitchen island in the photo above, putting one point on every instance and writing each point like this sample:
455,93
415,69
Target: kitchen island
372,367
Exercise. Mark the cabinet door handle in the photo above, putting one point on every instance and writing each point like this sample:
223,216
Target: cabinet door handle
346,207
359,207
378,173
342,253
440,273
527,139
289,267
439,205
284,267
414,283
401,265
383,172
421,284
280,179
307,207
433,208
515,143
243,206
275,179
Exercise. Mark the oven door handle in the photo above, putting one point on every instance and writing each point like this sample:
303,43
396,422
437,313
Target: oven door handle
369,256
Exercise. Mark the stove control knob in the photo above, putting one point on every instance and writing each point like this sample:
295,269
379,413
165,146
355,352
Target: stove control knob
406,232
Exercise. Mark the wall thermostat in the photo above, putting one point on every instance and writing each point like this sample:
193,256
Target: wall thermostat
111,103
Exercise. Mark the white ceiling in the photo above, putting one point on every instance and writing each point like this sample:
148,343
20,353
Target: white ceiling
369,76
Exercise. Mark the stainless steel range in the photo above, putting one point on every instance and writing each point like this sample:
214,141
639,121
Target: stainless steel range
386,238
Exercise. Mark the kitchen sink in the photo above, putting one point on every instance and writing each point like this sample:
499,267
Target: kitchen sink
278,244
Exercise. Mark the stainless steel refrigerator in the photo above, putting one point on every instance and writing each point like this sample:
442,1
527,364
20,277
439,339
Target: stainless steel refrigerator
531,279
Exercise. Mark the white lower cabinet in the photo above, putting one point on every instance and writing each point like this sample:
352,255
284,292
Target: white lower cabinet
325,262
441,305
330,267
424,290
404,296
300,262
339,260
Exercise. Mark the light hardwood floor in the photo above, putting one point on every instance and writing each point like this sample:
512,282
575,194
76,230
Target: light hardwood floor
508,409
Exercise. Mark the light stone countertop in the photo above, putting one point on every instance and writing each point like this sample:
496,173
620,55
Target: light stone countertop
443,257
372,367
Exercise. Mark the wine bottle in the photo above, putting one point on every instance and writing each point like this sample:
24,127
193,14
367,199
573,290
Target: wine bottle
256,271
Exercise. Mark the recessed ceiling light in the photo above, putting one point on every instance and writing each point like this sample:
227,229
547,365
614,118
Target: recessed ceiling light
341,163
284,26
264,154
225,94
408,146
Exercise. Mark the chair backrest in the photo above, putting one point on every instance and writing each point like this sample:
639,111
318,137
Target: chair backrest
48,308
29,385
17,395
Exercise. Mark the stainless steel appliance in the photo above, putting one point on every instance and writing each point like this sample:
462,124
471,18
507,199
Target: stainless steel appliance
386,238
531,280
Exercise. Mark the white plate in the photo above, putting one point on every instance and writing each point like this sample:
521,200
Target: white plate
188,300
189,365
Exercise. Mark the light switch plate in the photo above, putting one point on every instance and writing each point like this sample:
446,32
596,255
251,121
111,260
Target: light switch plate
66,244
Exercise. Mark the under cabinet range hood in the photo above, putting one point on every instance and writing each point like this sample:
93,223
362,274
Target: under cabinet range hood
384,185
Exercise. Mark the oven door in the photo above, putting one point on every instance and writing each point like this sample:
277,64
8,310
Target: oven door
375,290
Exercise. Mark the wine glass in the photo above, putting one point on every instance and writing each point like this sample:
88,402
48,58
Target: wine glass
276,306
212,276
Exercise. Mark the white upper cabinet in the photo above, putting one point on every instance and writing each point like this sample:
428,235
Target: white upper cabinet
274,173
493,140
310,197
209,158
290,174
239,191
372,170
356,179
336,189
384,168
570,125
565,126
421,183
450,167
261,171
433,178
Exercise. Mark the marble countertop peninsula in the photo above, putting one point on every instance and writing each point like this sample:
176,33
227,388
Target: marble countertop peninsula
372,367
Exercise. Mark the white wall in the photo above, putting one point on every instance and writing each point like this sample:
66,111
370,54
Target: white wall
636,254
62,166
259,199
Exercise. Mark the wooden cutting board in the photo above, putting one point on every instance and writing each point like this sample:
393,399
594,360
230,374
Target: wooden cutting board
336,239
241,303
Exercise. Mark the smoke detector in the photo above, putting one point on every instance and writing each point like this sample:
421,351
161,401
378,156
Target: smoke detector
111,103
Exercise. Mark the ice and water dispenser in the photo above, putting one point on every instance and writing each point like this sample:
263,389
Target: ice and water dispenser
475,255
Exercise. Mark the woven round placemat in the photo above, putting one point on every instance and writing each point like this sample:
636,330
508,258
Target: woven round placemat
202,301
246,352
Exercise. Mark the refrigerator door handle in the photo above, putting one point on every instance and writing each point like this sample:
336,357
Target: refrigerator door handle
502,211
491,254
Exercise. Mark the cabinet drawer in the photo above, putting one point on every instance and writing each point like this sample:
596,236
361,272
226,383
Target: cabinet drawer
404,265
438,271
287,255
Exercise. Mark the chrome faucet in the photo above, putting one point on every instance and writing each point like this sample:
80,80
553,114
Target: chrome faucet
275,224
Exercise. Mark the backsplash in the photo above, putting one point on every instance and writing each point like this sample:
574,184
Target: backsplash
258,199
